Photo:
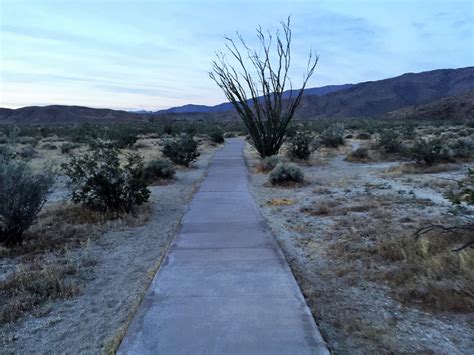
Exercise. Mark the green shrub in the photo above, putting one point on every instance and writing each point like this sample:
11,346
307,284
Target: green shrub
27,152
463,148
364,135
390,141
286,173
217,136
269,163
49,146
465,192
333,136
300,146
122,138
6,152
181,150
100,182
429,151
22,195
67,147
158,169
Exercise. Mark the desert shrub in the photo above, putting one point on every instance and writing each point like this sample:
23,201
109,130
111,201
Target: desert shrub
465,192
158,169
29,140
462,148
364,135
333,136
6,152
67,147
408,133
181,150
22,195
360,154
49,146
27,152
429,151
286,173
229,134
269,163
390,141
100,182
122,138
217,136
300,145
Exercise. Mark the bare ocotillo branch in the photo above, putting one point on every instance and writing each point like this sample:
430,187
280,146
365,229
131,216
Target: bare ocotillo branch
256,83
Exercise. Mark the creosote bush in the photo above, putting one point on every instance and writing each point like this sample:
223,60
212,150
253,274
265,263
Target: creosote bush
158,169
100,182
286,173
390,141
22,195
333,136
429,151
300,146
181,150
217,136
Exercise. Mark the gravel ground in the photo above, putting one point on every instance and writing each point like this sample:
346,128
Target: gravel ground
356,315
123,262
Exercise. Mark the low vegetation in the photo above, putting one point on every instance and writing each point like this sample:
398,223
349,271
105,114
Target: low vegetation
333,136
285,173
158,169
181,150
100,182
300,145
22,195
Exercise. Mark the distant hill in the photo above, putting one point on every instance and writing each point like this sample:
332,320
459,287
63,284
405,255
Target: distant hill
458,107
226,106
65,114
369,99
375,98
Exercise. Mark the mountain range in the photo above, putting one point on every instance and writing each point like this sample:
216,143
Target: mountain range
368,99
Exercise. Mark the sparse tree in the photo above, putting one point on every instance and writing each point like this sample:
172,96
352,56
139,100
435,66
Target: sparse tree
256,85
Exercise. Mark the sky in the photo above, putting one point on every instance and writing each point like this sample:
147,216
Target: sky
150,55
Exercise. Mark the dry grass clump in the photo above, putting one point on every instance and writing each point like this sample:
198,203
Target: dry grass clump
281,202
64,226
324,208
29,288
414,168
424,271
429,272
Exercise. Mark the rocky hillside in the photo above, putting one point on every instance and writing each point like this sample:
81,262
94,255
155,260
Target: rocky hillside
458,107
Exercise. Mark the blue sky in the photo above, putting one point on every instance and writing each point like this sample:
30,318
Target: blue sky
150,55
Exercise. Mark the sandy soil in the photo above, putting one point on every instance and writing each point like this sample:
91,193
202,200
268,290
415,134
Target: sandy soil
357,315
116,270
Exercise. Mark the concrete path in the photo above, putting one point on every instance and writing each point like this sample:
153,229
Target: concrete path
224,287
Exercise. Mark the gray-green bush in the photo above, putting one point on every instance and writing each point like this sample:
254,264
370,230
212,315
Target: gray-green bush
429,151
285,173
269,163
333,136
22,195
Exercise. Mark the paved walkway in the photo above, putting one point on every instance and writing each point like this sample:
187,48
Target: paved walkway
224,287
